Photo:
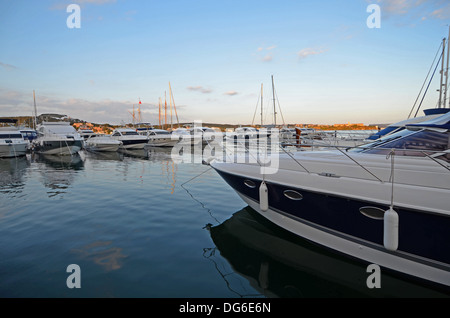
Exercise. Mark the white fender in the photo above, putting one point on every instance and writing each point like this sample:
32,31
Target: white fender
390,238
263,197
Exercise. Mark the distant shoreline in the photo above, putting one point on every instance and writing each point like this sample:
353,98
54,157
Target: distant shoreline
28,121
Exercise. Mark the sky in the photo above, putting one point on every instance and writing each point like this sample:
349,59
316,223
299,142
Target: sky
329,64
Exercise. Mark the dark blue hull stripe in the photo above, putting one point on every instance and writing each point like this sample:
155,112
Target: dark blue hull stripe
421,235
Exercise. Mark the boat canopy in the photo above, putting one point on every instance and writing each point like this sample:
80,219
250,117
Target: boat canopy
439,123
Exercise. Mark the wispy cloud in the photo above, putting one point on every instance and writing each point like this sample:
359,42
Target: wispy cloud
200,89
18,103
8,67
423,9
304,53
62,4
267,57
231,93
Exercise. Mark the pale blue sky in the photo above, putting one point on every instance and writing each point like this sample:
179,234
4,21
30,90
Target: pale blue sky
328,66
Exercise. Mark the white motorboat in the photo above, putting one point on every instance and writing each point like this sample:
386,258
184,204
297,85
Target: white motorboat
101,142
160,138
384,203
57,138
86,132
130,138
12,142
242,134
185,137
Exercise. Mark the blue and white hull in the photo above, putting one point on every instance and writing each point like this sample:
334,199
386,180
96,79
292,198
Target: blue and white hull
329,205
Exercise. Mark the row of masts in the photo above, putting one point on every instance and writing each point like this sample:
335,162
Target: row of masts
165,119
274,105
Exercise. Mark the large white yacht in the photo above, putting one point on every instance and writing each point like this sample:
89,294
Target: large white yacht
12,142
57,138
130,138
385,203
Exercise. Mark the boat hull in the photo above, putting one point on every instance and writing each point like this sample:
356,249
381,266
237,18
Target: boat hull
162,142
133,143
13,149
336,222
106,147
58,147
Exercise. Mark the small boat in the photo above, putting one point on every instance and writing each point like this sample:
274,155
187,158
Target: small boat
101,142
12,142
386,202
86,132
130,138
57,138
160,138
243,134
186,137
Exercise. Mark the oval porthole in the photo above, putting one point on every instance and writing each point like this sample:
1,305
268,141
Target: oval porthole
293,195
372,212
250,183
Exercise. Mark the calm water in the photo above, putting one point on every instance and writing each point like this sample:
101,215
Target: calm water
144,225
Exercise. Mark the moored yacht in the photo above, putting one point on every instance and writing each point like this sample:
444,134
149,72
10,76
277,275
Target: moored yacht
101,142
57,138
130,138
160,138
12,142
385,203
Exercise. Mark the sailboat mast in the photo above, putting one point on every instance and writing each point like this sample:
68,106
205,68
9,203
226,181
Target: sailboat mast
446,71
174,107
165,110
35,111
261,104
442,74
159,113
274,108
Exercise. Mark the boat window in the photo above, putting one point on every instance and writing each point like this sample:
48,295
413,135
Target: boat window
384,132
293,195
415,144
8,136
130,133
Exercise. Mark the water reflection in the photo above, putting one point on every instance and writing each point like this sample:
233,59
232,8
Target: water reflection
278,264
59,171
12,171
135,153
104,155
102,254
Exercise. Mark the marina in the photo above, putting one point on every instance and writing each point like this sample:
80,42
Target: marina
338,186
145,224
